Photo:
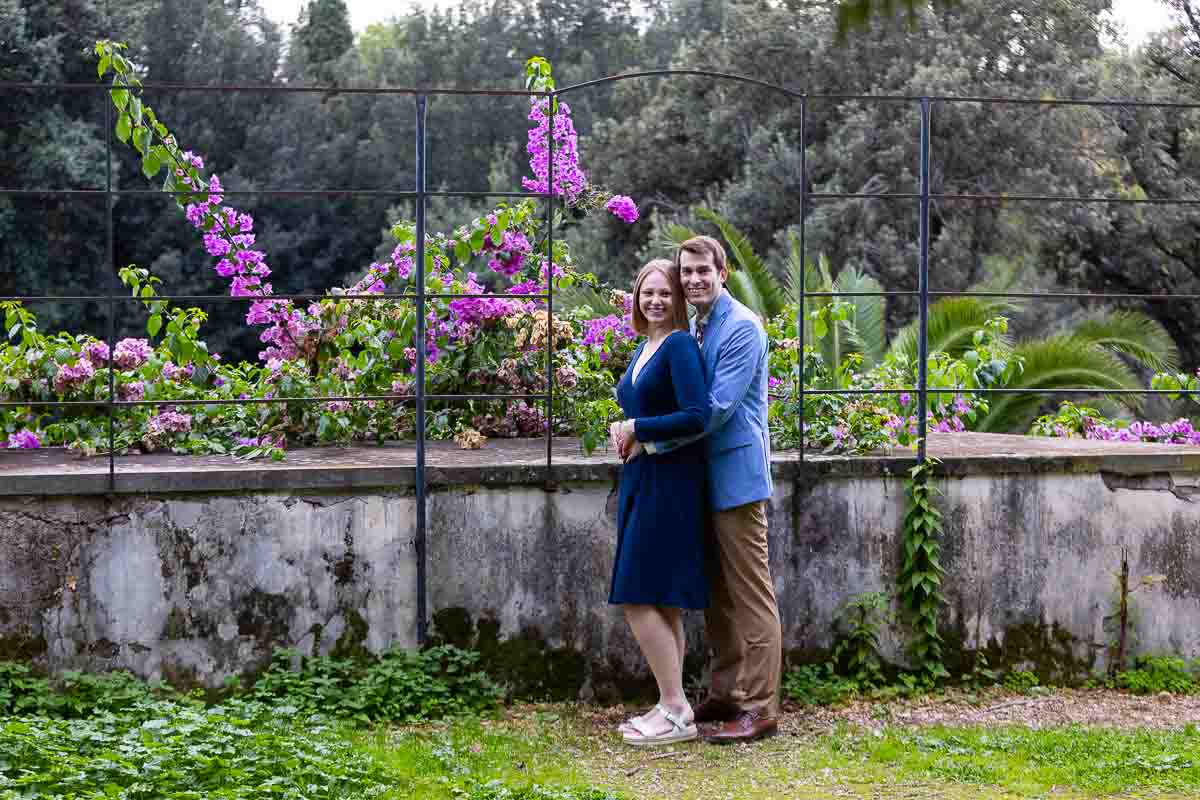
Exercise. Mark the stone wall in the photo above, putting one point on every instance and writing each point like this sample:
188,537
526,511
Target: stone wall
194,586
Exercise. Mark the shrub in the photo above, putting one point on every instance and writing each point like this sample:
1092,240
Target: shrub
819,685
402,685
1021,681
75,695
1154,674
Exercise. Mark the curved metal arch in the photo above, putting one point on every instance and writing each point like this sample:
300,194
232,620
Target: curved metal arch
703,73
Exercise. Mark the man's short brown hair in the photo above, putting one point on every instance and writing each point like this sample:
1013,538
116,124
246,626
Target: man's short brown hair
703,246
670,270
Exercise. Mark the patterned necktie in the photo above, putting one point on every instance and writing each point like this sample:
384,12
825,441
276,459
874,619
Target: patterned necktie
701,324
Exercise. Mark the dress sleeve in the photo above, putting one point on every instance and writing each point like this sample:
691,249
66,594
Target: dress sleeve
691,395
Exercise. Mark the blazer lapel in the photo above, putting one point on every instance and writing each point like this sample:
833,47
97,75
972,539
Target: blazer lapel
712,332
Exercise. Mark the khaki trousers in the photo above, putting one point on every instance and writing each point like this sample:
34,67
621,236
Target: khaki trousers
742,622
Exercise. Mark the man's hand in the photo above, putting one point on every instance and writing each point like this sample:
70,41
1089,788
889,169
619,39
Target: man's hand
633,451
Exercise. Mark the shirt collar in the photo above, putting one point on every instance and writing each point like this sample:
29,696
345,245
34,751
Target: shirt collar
702,319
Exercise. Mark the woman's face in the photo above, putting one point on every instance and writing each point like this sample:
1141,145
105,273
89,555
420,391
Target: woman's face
656,300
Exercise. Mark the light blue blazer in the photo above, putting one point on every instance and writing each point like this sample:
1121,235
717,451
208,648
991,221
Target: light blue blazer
737,443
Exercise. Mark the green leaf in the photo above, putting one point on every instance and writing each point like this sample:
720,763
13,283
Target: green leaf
497,236
153,325
123,127
151,165
395,349
102,67
120,98
477,240
462,251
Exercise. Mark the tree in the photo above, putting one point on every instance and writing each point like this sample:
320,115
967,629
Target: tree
323,34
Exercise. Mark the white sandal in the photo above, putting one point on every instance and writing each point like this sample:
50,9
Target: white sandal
680,732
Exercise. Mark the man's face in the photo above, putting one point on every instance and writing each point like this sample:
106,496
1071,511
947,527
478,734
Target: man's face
701,280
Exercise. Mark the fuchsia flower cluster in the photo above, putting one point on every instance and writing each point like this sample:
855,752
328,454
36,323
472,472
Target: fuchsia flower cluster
569,179
596,332
509,258
23,440
623,208
229,236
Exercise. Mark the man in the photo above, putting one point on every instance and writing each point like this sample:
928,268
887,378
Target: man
743,621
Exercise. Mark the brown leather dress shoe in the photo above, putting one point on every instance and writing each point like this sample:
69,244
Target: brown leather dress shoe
714,710
747,726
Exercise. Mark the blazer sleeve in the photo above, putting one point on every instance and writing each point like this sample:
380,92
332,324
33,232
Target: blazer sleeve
691,395
736,366
740,354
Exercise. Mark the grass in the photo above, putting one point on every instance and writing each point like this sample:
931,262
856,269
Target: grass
564,747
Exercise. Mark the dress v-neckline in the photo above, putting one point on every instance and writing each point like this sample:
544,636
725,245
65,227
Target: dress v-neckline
633,379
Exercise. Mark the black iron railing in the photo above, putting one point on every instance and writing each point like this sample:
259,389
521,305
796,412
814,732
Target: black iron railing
420,195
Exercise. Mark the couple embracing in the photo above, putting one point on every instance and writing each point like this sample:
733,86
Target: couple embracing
691,520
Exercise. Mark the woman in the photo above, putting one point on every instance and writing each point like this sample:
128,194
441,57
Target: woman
659,568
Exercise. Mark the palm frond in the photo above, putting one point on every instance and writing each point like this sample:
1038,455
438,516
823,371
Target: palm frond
1063,361
1132,334
869,336
581,295
766,288
952,324
794,267
745,291
671,235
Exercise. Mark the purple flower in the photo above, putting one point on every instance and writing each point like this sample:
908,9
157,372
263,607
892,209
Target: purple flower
215,244
623,208
96,352
134,391
169,422
23,440
69,376
905,399
131,353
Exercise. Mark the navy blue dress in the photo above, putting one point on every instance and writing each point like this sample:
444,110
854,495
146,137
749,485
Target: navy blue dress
662,511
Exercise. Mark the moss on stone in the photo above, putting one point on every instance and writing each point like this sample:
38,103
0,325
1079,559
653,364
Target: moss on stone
525,664
1048,651
452,626
22,648
176,626
352,642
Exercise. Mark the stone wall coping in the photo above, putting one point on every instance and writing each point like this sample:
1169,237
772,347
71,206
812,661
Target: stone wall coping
500,462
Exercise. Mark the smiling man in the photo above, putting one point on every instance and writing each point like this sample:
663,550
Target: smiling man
742,622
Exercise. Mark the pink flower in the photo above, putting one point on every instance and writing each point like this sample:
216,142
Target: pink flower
69,376
131,353
96,352
169,422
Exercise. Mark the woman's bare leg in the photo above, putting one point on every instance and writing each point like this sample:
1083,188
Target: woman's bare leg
657,633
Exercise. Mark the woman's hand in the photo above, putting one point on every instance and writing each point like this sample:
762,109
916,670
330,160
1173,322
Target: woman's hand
616,438
635,449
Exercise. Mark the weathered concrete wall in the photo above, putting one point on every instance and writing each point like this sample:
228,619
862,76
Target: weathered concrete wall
193,587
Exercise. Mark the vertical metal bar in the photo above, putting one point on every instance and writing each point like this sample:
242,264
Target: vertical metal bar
110,262
803,264
553,102
420,543
923,287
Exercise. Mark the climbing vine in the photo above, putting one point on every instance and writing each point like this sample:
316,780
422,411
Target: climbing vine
920,579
